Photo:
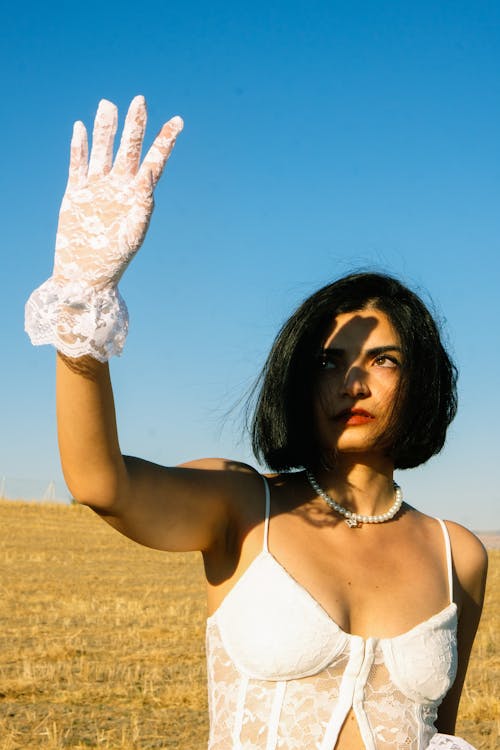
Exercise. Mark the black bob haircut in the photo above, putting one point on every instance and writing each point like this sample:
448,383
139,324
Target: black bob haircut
282,428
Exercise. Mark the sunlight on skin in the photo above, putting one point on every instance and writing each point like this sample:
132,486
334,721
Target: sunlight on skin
358,381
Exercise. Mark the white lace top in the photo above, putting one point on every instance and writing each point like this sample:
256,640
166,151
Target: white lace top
282,674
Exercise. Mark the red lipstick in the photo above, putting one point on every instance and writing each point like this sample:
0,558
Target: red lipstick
354,416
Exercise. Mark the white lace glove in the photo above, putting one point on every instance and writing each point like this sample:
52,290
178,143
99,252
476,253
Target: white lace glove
103,219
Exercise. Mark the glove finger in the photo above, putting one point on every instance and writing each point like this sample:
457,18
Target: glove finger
78,155
156,158
128,156
105,124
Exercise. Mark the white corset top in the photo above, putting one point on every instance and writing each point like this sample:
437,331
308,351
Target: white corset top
282,674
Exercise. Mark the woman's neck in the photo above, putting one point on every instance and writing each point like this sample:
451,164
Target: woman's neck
362,486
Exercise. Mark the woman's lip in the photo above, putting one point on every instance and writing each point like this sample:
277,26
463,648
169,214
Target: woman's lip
357,419
354,416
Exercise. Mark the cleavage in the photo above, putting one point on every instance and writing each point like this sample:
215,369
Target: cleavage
356,591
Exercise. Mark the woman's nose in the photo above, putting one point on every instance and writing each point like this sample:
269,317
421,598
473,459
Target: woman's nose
355,383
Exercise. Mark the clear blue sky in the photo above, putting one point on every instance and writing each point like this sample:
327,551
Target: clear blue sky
320,136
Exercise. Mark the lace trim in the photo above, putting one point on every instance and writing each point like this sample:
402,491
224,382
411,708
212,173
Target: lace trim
77,319
449,742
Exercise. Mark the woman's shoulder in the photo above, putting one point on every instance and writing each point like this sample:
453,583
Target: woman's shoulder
241,485
470,558
467,548
464,538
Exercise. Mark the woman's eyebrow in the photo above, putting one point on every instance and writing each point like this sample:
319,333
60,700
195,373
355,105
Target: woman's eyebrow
333,351
382,349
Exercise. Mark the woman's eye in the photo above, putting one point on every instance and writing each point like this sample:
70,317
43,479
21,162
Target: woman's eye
327,363
386,361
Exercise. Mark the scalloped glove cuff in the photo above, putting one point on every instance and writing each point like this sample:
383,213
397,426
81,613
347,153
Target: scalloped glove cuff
77,319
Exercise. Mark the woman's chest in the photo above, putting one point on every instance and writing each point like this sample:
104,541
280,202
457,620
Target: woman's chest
370,581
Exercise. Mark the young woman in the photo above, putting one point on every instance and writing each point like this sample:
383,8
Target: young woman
339,617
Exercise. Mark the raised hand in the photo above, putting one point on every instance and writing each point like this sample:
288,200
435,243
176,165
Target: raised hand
107,206
103,219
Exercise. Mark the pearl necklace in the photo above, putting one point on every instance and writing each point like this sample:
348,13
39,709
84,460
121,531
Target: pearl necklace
357,519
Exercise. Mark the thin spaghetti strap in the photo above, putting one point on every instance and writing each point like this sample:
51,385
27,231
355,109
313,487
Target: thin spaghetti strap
268,512
449,563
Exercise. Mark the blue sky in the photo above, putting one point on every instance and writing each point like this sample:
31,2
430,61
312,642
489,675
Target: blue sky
319,137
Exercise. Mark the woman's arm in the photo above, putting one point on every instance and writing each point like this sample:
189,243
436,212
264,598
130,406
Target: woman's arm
104,217
179,508
471,564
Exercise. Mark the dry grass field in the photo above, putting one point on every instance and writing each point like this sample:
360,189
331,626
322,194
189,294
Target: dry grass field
101,640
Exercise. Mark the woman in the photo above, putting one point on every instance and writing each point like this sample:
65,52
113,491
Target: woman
338,616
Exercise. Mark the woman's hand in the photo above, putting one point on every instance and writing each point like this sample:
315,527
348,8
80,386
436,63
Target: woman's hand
104,217
107,206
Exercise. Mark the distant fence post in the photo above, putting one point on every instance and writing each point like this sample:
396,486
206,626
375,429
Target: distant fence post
31,489
50,492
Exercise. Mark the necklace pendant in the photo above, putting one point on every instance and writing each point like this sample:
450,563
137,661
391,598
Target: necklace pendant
352,522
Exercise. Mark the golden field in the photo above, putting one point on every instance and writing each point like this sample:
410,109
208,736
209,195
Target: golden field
101,640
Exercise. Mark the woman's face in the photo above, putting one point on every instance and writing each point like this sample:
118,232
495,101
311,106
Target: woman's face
357,383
